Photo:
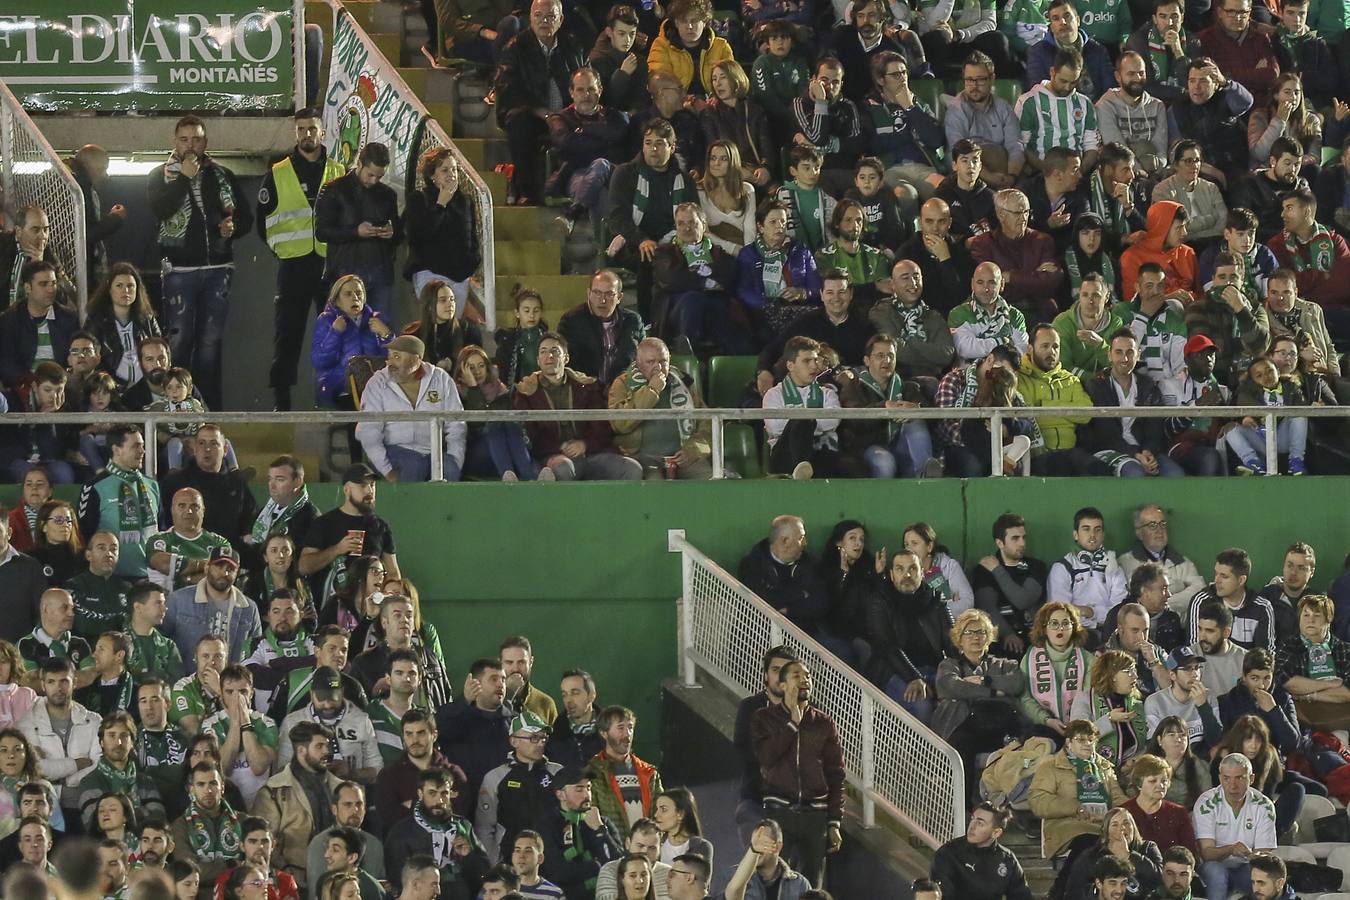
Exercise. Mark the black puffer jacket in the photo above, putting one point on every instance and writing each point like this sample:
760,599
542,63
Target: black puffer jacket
906,631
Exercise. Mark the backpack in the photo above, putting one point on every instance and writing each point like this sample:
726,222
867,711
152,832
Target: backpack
1007,774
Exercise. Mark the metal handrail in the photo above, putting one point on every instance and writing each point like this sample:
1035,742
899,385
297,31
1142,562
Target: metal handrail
719,417
873,703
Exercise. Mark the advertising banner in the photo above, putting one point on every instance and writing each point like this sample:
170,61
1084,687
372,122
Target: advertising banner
122,55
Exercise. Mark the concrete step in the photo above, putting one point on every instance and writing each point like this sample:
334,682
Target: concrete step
496,183
432,85
390,45
482,153
560,293
522,223
529,257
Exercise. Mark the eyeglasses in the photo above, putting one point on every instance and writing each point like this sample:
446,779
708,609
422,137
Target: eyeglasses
978,79
1016,212
532,738
1059,623
82,351
1285,354
1191,160
974,632
1154,526
606,295
897,73
61,520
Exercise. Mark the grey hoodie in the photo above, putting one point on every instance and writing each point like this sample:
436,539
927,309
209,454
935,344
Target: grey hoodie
1118,120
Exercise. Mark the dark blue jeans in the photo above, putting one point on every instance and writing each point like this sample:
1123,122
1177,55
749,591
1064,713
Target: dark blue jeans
703,317
501,448
196,305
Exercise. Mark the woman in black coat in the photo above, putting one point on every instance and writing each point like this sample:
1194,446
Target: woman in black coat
120,318
441,224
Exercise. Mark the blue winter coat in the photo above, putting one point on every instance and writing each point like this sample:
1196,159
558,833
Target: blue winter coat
801,272
333,349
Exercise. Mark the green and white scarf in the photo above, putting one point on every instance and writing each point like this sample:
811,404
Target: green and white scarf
996,324
893,390
1089,560
1316,254
213,840
675,393
699,256
137,517
1091,785
679,193
173,230
123,782
776,276
16,274
911,320
1105,205
292,649
1320,662
275,519
792,395
443,833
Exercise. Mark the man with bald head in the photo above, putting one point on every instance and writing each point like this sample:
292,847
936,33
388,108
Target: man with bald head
780,570
677,448
53,638
178,555
923,341
944,260
986,320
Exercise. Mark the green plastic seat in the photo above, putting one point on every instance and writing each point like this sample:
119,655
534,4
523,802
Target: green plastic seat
688,364
929,90
1009,89
1330,154
727,378
741,451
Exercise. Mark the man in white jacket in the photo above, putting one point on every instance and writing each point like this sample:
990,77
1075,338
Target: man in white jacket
64,734
401,451
1088,576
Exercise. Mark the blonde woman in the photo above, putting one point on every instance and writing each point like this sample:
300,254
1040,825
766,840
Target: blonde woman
1119,838
728,202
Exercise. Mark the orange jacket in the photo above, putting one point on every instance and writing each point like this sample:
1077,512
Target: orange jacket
1178,263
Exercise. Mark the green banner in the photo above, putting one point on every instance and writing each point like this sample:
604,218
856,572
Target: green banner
121,55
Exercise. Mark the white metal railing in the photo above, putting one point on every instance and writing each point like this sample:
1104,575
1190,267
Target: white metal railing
718,417
892,759
32,174
433,135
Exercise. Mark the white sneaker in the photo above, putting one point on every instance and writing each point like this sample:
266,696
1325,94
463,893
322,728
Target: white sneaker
803,471
546,474
1018,447
933,468
509,476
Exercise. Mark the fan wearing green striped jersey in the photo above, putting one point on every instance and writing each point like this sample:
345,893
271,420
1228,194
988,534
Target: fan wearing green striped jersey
1055,114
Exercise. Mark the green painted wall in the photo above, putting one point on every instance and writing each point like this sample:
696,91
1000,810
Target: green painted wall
583,568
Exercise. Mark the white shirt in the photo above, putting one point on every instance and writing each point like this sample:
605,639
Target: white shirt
1253,824
1127,399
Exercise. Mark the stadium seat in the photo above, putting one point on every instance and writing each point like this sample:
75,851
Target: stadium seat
930,91
728,377
1329,154
1294,854
1314,808
1008,88
1340,859
689,365
742,452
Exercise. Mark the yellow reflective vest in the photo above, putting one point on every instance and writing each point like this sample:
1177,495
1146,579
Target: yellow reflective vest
290,227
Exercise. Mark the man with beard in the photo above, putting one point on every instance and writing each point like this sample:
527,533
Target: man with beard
1054,114
1095,76
401,451
515,794
330,649
285,220
112,872
1132,116
750,806
433,829
1270,879
349,814
517,656
396,787
802,764
257,848
924,346
160,749
230,507
1223,658
1009,585
1261,191
214,606
208,832
155,360
1192,438
976,866
1115,196
907,625
838,321
1253,615
403,675
865,266
1318,256
282,647
1286,589
352,529
372,668
865,36
178,556
628,784
474,729
247,738
577,840
1043,381
886,448
346,851
197,696
100,594
154,843
828,121
122,499
356,753
299,798
575,738
62,734
117,772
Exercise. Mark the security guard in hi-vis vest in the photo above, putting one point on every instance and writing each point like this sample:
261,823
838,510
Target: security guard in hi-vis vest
286,223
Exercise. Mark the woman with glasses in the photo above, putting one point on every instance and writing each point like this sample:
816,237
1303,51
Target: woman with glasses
1205,210
57,544
1055,669
977,695
246,882
1114,705
1072,791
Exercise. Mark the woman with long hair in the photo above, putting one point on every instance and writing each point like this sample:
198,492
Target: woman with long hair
635,878
354,607
1171,742
499,447
728,201
246,882
340,886
1113,704
1286,114
16,699
281,571
57,543
441,223
675,812
847,570
347,328
1159,820
119,318
977,694
115,819
186,878
18,766
731,116
443,333
1119,838
1055,668
940,571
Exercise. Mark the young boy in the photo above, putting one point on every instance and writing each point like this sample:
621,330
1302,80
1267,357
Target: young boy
885,227
779,74
1239,239
809,207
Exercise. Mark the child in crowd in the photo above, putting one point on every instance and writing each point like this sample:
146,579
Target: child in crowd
100,395
518,348
809,207
779,75
885,228
177,399
1086,255
1263,386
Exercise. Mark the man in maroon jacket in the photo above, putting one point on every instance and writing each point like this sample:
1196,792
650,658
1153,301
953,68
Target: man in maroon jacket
802,767
1032,278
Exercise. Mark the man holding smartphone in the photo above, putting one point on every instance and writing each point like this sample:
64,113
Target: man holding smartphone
357,217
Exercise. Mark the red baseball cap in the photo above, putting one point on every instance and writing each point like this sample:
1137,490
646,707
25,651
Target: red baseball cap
1198,342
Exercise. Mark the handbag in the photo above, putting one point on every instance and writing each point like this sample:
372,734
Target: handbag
1334,829
1311,878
